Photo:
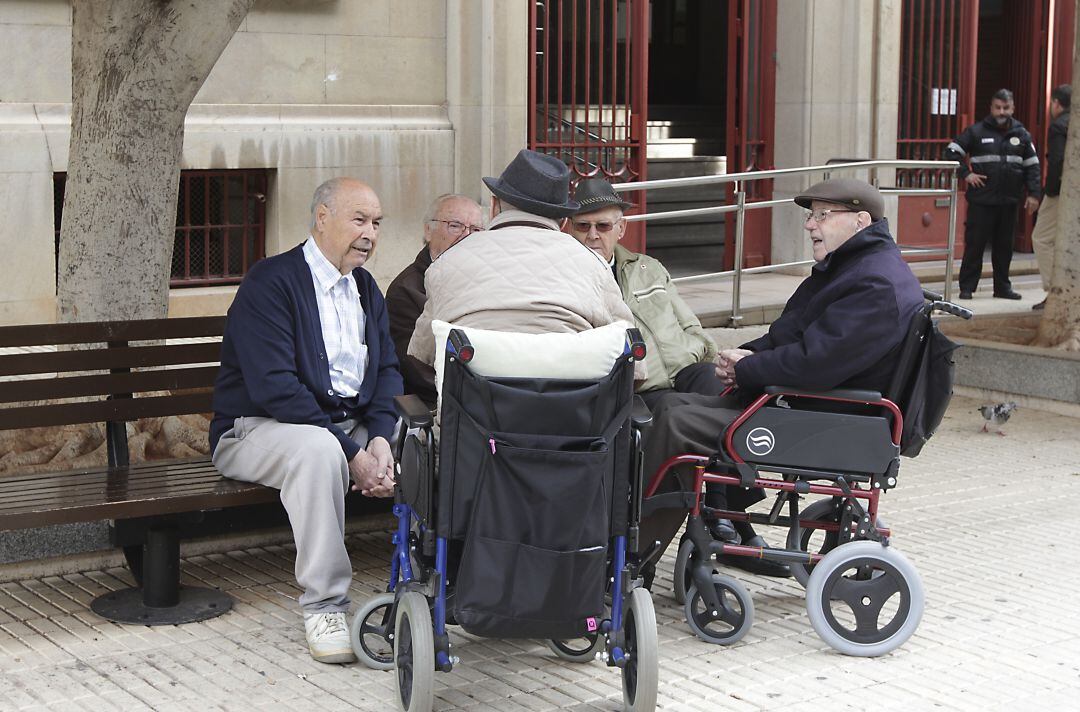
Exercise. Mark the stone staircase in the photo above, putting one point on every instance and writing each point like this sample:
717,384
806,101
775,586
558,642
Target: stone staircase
685,141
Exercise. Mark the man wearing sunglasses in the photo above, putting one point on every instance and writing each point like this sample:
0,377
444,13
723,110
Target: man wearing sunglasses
842,328
450,218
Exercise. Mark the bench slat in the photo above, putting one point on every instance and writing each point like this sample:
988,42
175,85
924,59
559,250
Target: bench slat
22,364
214,495
102,331
106,384
120,409
105,483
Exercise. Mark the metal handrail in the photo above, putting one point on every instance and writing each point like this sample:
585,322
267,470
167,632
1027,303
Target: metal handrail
741,206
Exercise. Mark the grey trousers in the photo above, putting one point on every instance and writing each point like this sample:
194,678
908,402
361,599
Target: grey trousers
307,464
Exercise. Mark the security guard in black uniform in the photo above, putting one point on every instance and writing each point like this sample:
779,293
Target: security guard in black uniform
1002,162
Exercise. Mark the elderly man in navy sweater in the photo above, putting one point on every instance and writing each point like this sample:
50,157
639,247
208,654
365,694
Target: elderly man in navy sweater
304,398
842,328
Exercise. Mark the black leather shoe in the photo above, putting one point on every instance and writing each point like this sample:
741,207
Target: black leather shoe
723,530
965,295
1007,295
761,567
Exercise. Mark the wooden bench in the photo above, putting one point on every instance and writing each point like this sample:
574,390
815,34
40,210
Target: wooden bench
113,373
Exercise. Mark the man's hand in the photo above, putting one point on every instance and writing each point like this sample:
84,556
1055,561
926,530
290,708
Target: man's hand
725,364
1031,204
372,470
975,179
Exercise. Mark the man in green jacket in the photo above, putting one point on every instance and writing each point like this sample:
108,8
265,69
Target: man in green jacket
679,354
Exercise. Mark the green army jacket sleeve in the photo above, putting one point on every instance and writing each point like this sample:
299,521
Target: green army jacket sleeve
674,338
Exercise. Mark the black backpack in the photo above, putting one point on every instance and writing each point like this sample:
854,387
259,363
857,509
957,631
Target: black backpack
928,389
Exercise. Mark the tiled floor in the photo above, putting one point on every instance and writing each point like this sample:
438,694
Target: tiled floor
990,522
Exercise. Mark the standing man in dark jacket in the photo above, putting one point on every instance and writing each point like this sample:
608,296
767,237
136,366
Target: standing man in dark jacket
304,396
842,328
1042,238
450,218
1003,162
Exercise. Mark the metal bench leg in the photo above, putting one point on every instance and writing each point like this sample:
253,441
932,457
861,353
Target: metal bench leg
161,600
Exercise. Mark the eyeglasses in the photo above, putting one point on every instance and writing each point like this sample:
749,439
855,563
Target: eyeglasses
820,214
457,229
584,226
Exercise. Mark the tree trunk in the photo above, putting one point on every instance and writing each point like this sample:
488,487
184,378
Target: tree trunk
1060,323
136,65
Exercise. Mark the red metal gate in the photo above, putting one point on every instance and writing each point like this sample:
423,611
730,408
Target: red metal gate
937,101
587,90
751,120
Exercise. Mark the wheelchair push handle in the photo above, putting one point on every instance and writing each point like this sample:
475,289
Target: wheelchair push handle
938,303
954,309
459,342
635,344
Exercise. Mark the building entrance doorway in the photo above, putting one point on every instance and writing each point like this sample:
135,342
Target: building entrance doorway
711,110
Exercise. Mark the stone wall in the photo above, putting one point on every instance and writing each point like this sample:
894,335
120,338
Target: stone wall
309,90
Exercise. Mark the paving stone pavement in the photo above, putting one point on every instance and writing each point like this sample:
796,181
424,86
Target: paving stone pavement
990,522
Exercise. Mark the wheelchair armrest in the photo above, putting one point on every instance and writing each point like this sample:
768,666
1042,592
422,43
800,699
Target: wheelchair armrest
640,415
846,394
413,411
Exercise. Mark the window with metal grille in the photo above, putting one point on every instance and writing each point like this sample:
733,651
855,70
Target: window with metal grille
220,225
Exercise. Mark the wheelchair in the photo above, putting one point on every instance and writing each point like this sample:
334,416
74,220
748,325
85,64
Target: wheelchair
863,597
517,523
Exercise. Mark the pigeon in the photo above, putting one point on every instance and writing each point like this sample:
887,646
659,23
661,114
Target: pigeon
996,414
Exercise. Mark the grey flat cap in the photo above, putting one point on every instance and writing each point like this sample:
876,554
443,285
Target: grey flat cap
857,195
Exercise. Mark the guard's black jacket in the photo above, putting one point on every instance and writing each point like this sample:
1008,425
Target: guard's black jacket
1005,156
843,326
1055,153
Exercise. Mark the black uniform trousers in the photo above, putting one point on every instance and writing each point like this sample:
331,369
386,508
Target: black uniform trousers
996,224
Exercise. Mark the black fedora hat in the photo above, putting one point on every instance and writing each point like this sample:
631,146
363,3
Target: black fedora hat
854,194
536,183
597,193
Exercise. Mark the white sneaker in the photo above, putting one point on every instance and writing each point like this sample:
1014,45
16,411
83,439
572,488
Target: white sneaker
328,637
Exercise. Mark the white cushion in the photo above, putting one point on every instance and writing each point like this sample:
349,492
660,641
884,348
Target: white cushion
583,355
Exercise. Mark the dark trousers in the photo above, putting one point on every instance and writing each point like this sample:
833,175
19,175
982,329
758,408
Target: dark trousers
688,423
996,224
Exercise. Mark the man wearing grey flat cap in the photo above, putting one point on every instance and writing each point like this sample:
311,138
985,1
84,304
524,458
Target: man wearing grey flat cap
842,328
521,274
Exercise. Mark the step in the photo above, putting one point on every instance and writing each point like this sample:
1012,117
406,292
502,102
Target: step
684,166
686,261
676,235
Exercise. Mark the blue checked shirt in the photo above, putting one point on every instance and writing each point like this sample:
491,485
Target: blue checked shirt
342,320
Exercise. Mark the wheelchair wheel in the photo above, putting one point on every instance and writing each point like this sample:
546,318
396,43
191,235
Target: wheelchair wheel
641,673
414,653
372,632
816,540
864,599
578,650
731,622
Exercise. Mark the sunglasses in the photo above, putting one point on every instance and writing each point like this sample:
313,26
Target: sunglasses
584,226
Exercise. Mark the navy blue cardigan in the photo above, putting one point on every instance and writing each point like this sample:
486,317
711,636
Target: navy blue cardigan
273,360
843,326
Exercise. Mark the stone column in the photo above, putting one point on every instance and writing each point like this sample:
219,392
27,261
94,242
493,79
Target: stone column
837,94
487,75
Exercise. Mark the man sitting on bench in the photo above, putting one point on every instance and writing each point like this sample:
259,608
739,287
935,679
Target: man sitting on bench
304,396
842,328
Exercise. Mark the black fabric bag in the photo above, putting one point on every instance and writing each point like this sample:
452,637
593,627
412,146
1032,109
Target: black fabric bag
930,390
534,483
535,556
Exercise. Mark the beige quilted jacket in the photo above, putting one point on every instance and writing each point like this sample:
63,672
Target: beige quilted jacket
531,279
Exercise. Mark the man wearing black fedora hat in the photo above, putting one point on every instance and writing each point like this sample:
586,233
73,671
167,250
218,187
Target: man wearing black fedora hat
521,274
842,328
